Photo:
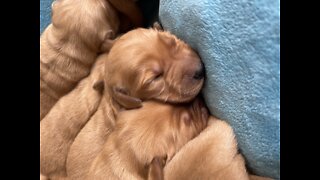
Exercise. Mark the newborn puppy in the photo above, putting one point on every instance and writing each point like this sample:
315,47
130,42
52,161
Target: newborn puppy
151,64
128,78
144,138
62,124
80,30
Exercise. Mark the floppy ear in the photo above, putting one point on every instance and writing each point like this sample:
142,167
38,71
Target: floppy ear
127,101
109,39
157,26
98,86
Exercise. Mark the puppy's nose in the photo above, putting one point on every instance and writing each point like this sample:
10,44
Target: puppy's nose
199,74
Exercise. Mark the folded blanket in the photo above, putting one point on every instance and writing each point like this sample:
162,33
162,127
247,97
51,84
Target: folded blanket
239,43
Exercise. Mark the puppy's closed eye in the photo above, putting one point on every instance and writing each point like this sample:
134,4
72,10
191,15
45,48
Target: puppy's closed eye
154,78
154,75
157,77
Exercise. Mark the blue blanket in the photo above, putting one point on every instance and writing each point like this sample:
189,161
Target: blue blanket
239,43
45,14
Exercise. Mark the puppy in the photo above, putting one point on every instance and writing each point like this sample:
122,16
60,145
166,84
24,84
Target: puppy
167,70
69,46
63,123
128,78
213,154
151,64
143,136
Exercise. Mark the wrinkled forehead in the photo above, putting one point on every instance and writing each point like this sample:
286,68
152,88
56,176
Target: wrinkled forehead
149,40
147,48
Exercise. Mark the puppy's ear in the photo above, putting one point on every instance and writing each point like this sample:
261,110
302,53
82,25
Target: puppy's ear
157,26
109,39
98,86
127,101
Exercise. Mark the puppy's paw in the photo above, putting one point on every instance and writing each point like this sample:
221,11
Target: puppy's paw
156,168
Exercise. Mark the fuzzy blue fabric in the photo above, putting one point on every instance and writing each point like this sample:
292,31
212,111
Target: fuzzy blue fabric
239,43
45,14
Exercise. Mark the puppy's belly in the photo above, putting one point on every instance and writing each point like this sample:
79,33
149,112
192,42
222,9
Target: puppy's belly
89,143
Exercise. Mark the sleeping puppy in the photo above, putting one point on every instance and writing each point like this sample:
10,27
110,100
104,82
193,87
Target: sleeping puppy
142,64
213,154
69,46
151,64
144,139
62,124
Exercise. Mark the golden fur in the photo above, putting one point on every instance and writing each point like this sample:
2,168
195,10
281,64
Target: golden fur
156,130
151,64
63,123
69,46
129,76
212,155
177,76
77,128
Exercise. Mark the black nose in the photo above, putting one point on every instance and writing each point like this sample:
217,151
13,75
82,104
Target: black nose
199,74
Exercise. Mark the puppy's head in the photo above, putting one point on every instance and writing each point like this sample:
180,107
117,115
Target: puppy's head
150,64
89,22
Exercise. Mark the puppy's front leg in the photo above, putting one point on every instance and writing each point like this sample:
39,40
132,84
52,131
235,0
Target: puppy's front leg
156,168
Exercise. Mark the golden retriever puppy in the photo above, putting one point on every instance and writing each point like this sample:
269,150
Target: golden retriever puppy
179,79
69,46
62,124
213,154
142,64
151,64
147,136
